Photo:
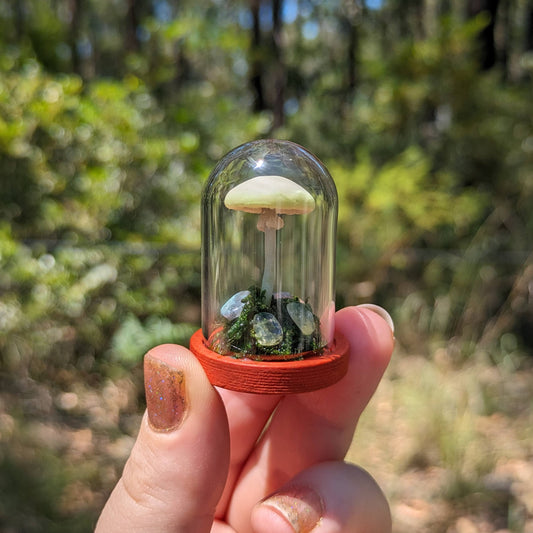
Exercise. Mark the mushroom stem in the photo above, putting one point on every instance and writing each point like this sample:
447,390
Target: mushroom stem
270,197
269,222
269,271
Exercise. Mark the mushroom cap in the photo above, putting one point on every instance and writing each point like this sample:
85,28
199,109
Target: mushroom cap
281,194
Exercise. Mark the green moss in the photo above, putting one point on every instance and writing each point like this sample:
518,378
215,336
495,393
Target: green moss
237,336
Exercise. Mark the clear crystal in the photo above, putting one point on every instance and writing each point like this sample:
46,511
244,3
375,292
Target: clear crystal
302,317
267,329
232,309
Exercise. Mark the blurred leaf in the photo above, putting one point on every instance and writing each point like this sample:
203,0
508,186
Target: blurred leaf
133,339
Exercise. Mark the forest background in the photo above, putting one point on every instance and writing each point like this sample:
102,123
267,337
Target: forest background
112,115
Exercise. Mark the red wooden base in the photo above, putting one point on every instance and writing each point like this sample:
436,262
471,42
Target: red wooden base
273,377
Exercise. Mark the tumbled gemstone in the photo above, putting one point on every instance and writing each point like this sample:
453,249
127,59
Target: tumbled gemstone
281,295
302,317
233,307
267,329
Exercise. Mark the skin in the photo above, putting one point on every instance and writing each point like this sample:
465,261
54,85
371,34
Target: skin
232,450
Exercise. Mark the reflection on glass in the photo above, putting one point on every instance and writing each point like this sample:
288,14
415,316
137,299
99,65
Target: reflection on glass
269,219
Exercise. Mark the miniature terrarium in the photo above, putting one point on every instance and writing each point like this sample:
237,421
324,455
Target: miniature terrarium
269,213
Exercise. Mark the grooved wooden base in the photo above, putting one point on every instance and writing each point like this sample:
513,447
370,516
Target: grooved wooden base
273,377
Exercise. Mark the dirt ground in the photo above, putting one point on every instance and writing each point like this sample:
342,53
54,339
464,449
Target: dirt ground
452,447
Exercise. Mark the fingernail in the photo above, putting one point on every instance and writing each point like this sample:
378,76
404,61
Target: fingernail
165,394
381,312
301,507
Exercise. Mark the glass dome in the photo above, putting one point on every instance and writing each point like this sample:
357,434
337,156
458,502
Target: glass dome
269,215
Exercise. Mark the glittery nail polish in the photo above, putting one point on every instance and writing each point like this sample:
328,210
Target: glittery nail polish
301,506
165,394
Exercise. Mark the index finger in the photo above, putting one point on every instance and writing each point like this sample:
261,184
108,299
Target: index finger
318,426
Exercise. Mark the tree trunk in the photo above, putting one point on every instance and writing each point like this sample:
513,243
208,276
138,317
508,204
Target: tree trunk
278,100
444,8
351,10
132,20
74,32
20,20
528,42
506,45
487,47
256,59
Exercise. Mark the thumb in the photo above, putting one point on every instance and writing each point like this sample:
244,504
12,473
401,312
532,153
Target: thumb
333,497
176,472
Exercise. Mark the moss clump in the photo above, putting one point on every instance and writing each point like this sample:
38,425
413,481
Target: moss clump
237,337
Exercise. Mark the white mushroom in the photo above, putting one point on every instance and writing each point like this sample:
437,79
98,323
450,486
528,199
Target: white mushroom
269,197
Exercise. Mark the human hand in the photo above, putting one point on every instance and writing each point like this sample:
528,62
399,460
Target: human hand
222,461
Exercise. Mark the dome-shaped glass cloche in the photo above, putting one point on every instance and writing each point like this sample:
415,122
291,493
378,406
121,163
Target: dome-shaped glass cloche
269,214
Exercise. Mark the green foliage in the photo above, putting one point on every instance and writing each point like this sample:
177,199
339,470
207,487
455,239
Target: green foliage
110,121
99,195
74,161
42,478
402,199
133,340
101,176
238,339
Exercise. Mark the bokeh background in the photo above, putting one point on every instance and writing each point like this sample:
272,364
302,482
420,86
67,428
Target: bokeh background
113,113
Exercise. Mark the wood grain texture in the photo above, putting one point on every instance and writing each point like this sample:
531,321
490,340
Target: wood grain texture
273,377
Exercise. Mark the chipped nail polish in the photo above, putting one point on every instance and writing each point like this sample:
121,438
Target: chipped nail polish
302,507
165,394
